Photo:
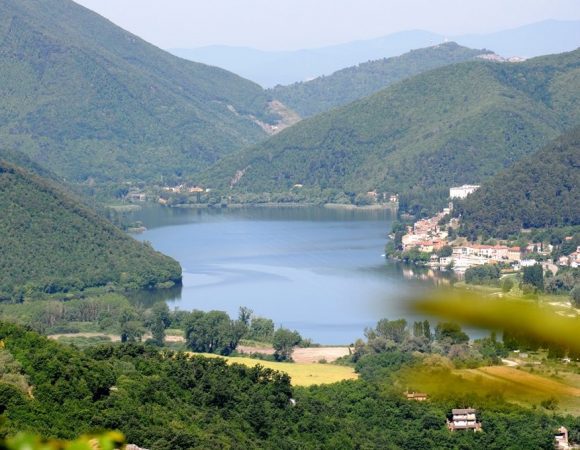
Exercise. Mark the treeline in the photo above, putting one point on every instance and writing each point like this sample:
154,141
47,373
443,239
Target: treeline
51,243
540,191
171,401
203,332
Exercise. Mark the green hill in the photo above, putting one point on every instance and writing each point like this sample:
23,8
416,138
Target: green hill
350,84
457,124
52,243
88,100
541,190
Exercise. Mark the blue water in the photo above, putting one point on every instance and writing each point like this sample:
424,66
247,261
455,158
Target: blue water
315,270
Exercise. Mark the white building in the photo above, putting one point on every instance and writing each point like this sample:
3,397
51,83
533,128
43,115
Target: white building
462,191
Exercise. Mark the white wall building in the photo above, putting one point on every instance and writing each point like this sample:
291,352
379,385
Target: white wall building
462,191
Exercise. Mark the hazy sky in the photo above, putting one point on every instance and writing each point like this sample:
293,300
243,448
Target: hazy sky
292,24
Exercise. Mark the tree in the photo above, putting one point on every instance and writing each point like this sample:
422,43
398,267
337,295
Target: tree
395,330
131,331
284,343
245,315
159,321
451,331
427,330
445,251
130,327
507,285
575,296
534,276
261,329
213,332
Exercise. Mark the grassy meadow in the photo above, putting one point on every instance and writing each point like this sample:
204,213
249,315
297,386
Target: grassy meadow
302,374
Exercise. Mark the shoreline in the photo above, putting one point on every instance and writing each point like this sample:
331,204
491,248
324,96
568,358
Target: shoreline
337,206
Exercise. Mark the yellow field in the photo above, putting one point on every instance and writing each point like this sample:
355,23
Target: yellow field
302,374
524,387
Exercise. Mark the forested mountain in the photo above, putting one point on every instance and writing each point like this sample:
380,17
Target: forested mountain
541,190
457,124
350,84
165,400
52,243
88,100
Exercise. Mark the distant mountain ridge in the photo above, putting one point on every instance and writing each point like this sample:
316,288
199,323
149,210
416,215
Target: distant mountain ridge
350,84
458,124
270,68
51,243
90,101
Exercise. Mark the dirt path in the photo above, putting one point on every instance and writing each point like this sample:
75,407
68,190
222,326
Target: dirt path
300,355
112,337
303,355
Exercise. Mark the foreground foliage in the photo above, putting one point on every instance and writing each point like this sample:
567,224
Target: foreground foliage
165,400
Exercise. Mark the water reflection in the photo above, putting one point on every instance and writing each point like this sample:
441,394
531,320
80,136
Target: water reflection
149,297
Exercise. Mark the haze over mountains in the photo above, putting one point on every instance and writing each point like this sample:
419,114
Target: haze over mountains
269,68
457,124
90,101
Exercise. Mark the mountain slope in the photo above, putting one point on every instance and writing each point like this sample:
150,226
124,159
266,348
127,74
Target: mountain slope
541,190
457,124
87,99
52,243
350,84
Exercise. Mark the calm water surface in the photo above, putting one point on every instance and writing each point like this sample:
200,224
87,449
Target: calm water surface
316,270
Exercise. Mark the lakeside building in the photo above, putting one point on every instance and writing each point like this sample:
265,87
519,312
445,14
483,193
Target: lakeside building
462,191
464,419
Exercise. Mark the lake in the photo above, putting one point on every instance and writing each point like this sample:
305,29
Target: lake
319,271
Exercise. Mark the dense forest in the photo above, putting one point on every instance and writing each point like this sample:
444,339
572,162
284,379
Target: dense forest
539,191
165,400
88,100
347,85
52,243
458,124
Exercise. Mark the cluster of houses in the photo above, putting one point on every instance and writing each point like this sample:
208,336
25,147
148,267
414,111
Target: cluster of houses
470,255
431,234
427,235
572,260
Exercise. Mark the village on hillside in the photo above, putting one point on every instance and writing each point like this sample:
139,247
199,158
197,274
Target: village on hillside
434,242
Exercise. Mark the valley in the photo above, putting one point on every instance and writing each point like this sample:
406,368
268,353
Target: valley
383,252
